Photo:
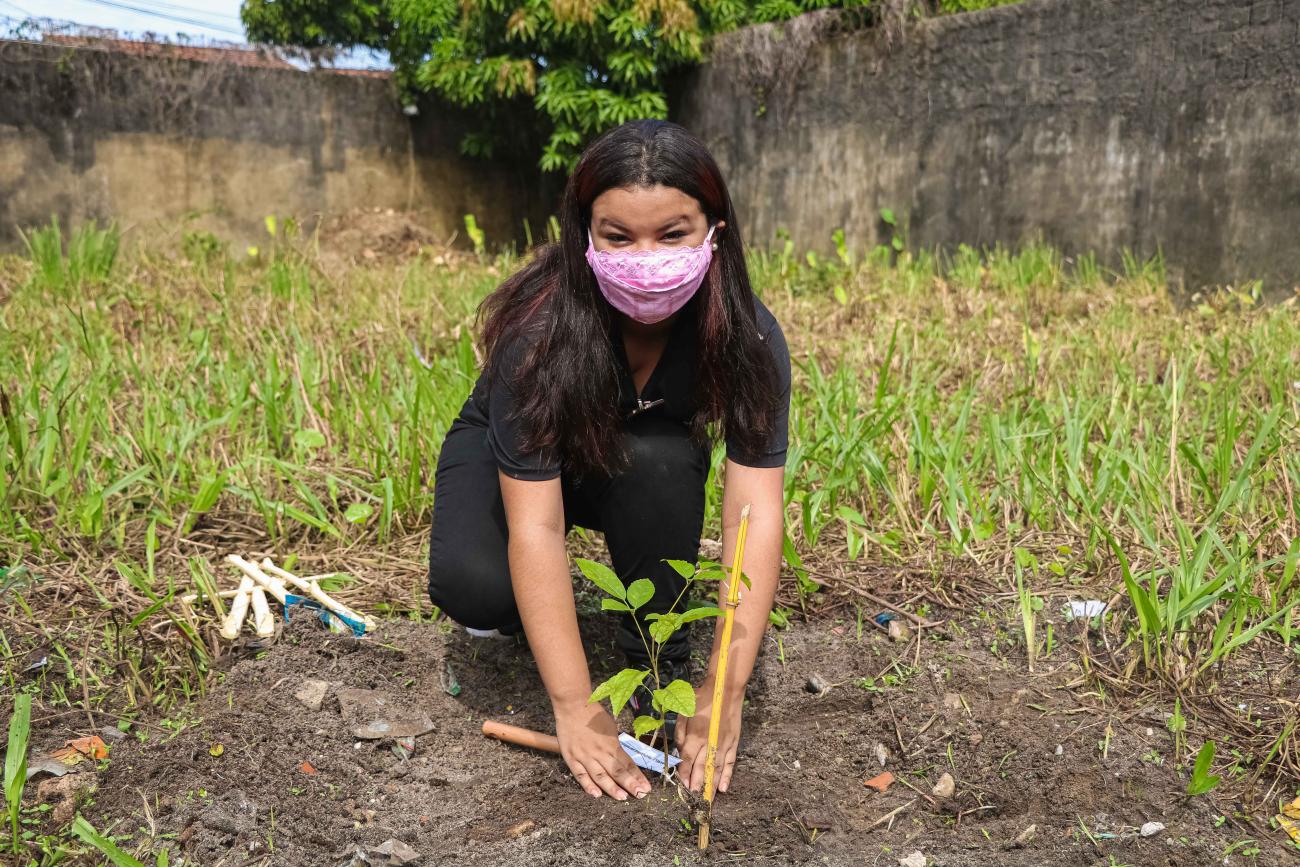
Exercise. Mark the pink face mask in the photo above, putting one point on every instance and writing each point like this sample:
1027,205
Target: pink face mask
650,285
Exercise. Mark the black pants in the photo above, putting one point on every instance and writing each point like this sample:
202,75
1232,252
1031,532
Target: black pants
651,511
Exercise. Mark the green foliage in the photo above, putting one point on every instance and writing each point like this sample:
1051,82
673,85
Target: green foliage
89,257
678,696
20,725
86,832
583,66
1202,780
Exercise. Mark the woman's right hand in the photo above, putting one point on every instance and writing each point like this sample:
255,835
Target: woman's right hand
589,743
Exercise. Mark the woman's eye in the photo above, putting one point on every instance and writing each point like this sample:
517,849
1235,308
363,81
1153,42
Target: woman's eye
673,236
616,238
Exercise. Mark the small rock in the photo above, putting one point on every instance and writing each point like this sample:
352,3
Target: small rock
1150,829
312,694
522,828
396,851
898,631
952,700
816,685
882,754
1024,838
796,765
1060,750
912,859
64,793
945,787
975,739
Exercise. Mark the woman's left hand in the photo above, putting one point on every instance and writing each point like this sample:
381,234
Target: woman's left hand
693,740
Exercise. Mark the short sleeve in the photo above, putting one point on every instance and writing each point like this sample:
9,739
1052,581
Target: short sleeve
504,431
774,453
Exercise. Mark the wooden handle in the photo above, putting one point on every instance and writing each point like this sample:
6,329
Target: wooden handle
318,594
263,622
238,610
274,586
523,737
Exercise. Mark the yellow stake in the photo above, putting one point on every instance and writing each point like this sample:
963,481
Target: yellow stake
720,676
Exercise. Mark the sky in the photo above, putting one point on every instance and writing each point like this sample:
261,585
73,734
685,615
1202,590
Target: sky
205,19
212,19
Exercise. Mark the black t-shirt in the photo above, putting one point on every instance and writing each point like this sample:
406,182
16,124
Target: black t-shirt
669,392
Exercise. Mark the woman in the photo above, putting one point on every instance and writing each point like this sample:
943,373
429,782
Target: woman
612,357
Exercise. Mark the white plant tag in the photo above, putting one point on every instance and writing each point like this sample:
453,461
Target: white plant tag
644,755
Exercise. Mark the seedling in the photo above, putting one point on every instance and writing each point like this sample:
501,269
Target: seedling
677,696
1202,780
20,725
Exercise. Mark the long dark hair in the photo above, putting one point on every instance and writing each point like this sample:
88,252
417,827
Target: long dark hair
567,384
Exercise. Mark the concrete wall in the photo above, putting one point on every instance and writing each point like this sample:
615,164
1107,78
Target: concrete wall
147,141
1102,125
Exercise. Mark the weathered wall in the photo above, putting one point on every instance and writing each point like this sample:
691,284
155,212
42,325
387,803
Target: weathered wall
148,141
1106,124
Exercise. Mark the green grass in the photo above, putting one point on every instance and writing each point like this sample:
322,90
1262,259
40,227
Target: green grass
947,409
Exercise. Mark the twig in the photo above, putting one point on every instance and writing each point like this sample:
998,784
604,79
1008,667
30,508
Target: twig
889,817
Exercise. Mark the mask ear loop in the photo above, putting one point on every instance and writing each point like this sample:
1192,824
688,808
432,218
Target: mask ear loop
710,235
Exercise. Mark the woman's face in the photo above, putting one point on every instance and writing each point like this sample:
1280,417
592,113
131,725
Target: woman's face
647,218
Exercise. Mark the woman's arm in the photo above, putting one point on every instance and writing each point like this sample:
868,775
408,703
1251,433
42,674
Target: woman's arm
539,575
763,489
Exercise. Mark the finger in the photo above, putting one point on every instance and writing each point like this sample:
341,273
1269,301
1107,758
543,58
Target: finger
607,783
584,780
698,768
689,754
724,783
627,775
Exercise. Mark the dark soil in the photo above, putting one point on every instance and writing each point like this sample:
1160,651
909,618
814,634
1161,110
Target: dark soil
1021,752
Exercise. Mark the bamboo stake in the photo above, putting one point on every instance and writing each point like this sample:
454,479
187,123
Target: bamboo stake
720,677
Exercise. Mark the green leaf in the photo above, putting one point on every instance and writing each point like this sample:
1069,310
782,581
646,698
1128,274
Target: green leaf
87,833
643,724
309,439
677,696
619,688
661,630
358,512
1202,780
20,725
682,568
603,577
608,604
693,614
639,592
888,216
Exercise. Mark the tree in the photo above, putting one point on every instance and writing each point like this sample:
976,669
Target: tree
584,65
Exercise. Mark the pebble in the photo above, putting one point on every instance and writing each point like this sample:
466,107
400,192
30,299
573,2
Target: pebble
1060,750
312,693
816,685
945,787
898,631
1150,829
912,859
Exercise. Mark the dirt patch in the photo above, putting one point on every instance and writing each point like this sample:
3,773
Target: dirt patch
1019,752
369,235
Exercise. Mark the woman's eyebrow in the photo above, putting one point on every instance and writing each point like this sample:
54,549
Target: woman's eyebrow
615,224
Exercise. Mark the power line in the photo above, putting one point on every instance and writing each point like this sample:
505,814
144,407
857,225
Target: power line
19,8
165,16
166,7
